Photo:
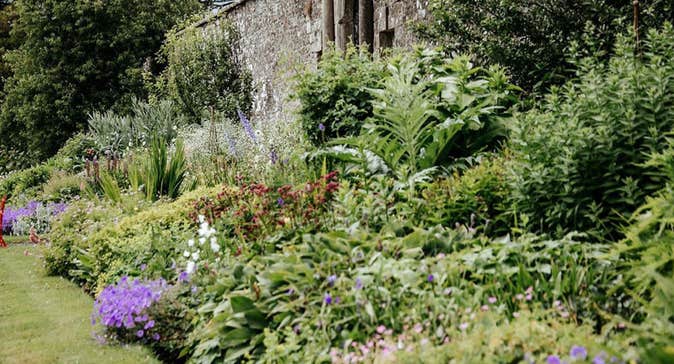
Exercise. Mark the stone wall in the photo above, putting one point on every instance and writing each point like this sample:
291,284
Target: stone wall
278,38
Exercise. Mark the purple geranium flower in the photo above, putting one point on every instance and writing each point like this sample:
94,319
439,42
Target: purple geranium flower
553,359
578,352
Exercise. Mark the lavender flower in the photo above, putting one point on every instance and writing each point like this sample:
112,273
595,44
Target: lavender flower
246,126
327,299
553,359
578,352
273,156
280,201
321,127
431,278
331,280
359,283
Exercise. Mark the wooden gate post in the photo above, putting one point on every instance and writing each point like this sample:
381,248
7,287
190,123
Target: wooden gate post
2,213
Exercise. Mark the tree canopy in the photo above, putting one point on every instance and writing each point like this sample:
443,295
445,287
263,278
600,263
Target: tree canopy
77,56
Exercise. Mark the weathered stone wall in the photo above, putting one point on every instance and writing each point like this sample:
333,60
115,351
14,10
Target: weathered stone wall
393,17
278,36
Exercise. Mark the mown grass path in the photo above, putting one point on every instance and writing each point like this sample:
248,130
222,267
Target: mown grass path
47,319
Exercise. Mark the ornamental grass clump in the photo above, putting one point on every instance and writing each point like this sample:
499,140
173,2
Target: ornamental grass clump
122,308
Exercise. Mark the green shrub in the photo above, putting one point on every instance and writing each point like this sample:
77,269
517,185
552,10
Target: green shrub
96,243
72,230
27,182
578,159
71,156
646,258
337,287
475,198
63,187
335,97
532,337
205,72
429,112
531,38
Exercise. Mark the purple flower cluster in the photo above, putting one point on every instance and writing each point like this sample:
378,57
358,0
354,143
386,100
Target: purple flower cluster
246,126
579,353
11,215
125,305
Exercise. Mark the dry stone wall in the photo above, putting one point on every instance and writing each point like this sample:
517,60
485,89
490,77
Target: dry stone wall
279,37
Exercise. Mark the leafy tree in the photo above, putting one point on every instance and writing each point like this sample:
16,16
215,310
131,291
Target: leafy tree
204,71
8,41
531,37
78,56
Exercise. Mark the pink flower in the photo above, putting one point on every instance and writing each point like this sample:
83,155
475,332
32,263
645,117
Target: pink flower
516,314
492,300
484,308
418,328
529,297
519,296
463,326
381,329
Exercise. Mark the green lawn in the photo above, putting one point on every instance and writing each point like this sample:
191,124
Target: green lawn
47,319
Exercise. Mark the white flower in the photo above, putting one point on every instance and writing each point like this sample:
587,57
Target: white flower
191,267
202,241
190,242
214,245
186,254
195,255
201,218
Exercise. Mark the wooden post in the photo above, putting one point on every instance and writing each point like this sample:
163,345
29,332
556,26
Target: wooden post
343,23
366,23
2,212
328,23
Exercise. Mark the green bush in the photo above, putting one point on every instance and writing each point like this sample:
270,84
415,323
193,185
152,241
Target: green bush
475,198
335,288
56,80
646,269
429,112
578,159
205,72
335,97
63,187
27,182
531,37
71,155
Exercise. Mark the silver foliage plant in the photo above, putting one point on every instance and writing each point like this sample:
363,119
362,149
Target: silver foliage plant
117,134
256,146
